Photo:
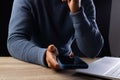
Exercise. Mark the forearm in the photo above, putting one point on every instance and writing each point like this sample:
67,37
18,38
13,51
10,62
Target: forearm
19,35
26,51
88,37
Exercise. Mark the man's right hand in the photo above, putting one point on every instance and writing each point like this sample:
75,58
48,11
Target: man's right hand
51,54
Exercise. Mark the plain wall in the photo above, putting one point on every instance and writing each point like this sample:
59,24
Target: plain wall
114,32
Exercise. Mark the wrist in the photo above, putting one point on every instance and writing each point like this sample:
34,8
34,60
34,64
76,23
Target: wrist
75,10
74,5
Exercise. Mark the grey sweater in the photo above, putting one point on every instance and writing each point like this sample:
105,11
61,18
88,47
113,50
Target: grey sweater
35,24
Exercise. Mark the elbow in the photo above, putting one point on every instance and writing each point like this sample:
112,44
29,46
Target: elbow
93,49
9,47
96,49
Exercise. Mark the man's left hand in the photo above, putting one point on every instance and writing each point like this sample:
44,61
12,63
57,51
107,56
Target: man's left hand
74,5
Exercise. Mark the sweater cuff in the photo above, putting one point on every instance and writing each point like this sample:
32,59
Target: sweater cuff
41,57
78,16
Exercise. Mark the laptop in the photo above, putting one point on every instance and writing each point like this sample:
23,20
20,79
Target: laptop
105,67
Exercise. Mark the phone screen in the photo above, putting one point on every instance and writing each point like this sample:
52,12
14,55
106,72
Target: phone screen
71,63
66,60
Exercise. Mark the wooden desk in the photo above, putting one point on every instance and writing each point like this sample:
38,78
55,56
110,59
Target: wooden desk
13,69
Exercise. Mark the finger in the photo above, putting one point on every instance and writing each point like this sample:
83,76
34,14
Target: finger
53,49
71,55
54,64
49,65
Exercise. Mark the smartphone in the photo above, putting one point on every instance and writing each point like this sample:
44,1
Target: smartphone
71,63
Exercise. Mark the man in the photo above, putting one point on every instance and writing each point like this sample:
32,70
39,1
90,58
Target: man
41,29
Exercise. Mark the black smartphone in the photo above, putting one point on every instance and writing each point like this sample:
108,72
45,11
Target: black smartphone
71,63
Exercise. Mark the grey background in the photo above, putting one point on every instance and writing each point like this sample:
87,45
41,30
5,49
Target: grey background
114,30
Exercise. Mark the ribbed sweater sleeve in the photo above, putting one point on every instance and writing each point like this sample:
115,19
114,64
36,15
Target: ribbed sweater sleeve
87,34
19,44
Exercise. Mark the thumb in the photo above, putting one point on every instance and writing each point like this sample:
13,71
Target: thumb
53,49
